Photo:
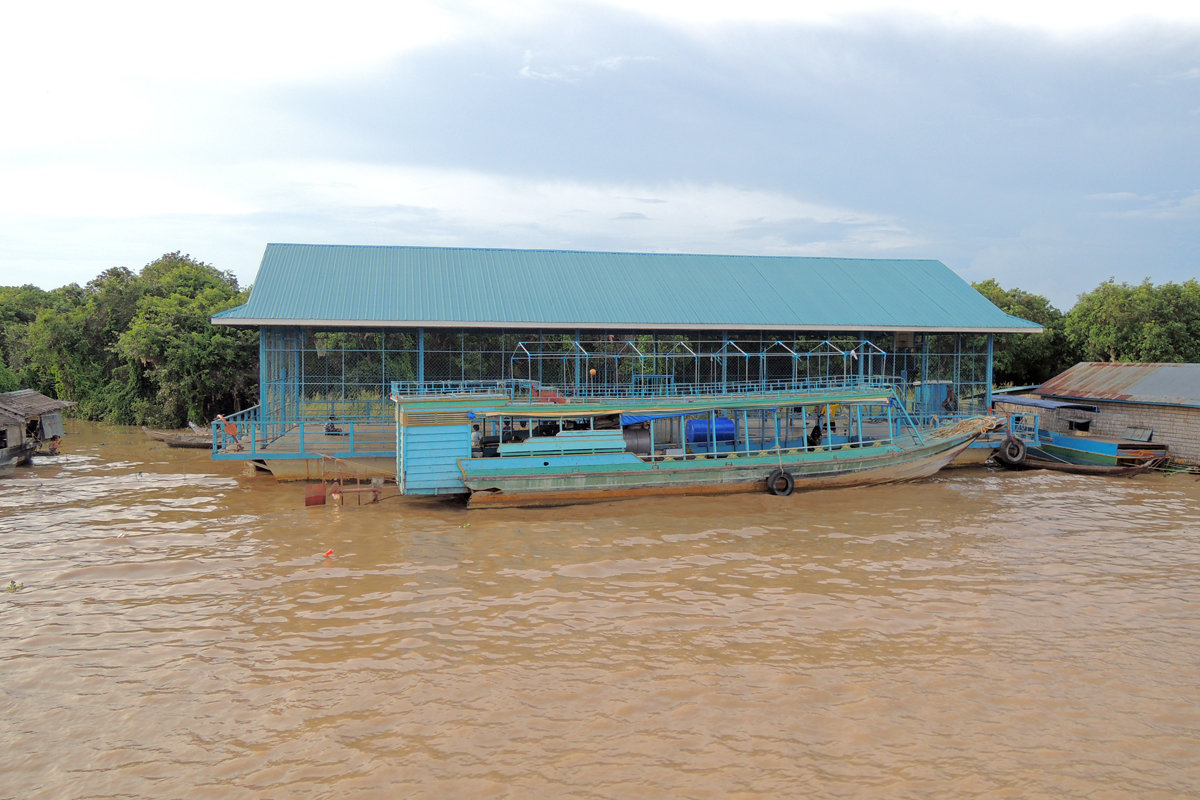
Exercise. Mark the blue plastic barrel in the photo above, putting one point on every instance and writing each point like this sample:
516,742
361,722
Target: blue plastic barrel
696,430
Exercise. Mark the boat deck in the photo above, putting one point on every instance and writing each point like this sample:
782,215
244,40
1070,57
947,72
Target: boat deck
369,438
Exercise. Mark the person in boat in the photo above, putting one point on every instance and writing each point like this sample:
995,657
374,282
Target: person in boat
476,437
814,437
332,426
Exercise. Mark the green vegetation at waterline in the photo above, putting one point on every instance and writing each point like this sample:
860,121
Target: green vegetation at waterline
132,348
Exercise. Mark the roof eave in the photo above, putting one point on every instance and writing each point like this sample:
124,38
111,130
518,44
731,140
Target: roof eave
364,323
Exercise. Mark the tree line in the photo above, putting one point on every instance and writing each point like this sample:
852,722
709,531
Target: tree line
132,348
138,348
1113,322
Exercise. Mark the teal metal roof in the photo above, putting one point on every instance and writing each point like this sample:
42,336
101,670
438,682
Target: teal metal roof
349,285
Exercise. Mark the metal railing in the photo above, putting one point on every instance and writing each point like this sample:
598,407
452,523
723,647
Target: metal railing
255,433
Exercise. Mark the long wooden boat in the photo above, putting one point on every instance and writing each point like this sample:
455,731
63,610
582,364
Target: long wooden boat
1077,445
702,446
564,479
188,439
1033,461
1097,450
1081,454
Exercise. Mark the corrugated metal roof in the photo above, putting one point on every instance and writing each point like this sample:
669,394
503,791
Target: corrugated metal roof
29,404
345,285
1163,384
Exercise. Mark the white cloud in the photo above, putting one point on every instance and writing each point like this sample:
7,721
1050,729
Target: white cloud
680,215
1055,15
570,73
1113,196
339,202
1177,206
68,191
221,39
862,128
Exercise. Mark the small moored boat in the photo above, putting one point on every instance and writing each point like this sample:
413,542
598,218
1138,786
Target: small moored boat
187,438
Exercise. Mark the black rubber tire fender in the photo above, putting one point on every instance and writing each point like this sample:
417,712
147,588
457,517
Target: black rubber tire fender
780,483
1012,451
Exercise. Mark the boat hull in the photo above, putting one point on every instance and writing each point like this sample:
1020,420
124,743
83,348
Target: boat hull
185,439
316,469
1095,450
1033,461
603,478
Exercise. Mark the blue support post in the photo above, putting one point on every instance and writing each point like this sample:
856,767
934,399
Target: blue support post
420,359
988,390
578,365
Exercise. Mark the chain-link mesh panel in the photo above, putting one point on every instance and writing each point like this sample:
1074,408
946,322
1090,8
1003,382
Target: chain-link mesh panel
308,373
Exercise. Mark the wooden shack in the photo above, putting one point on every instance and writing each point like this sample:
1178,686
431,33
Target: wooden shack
30,420
1145,402
12,441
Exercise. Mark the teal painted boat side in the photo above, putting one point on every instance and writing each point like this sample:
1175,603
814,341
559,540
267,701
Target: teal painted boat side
549,481
1094,450
430,458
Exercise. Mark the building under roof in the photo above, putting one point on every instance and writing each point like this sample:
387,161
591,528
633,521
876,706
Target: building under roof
1153,384
344,286
342,328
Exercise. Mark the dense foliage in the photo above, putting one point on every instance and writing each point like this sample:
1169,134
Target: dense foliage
1027,359
1119,322
132,348
1113,322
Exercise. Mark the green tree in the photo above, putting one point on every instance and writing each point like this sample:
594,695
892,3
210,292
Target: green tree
66,359
138,348
1123,322
195,369
8,381
1027,359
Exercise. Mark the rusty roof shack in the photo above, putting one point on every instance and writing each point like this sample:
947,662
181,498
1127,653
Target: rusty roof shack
1152,402
28,420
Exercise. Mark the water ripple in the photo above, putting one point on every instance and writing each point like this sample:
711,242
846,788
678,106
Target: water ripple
180,632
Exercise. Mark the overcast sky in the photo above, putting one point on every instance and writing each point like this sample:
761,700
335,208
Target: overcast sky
1048,145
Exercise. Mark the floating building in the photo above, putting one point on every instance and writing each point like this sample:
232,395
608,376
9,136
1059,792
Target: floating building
28,420
1151,403
347,329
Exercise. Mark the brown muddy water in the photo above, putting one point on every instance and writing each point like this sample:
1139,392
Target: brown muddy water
178,633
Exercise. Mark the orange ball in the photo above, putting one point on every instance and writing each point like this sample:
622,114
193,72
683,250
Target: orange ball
592,371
